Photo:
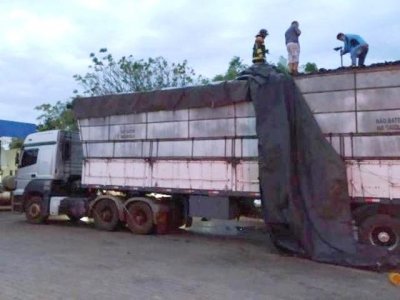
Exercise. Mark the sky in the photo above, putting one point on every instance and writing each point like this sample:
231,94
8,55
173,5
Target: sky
43,43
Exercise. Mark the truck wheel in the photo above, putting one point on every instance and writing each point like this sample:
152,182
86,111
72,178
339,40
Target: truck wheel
33,210
105,215
381,230
73,219
140,218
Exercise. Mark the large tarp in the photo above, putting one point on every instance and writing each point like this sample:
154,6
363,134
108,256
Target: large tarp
214,95
302,179
16,129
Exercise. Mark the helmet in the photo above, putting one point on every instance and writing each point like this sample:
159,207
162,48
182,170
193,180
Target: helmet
263,32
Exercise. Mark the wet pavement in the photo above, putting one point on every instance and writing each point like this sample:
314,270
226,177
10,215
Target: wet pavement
213,260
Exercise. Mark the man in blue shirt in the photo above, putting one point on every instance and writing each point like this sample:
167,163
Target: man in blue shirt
357,47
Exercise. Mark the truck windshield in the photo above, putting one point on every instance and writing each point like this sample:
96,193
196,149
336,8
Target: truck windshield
29,157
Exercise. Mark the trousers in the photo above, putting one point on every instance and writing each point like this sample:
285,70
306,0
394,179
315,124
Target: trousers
359,51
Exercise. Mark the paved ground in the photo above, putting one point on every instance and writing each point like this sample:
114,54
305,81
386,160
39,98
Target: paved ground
62,261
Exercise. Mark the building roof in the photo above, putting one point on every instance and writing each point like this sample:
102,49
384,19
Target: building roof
16,129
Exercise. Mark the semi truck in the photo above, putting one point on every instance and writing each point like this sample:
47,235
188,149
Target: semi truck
152,161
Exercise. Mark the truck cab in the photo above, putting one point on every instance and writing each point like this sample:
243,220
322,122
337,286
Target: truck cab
48,157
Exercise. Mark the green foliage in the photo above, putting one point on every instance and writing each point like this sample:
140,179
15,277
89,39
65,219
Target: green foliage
282,66
57,116
310,67
109,76
235,67
16,143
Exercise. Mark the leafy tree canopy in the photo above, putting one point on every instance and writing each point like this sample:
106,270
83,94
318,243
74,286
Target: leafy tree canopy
57,116
236,66
282,65
310,67
16,143
110,76
107,75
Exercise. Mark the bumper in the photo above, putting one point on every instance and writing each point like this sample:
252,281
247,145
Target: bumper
17,203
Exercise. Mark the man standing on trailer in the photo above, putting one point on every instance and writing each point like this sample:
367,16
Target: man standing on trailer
293,47
357,47
259,47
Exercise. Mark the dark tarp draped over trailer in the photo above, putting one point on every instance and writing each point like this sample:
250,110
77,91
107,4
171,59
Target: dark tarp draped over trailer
302,178
16,129
214,95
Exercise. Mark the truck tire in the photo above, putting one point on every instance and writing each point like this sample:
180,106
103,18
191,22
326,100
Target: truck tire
73,219
381,230
140,218
105,215
33,210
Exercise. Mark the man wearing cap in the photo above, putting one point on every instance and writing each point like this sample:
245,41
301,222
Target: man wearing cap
293,47
357,47
259,47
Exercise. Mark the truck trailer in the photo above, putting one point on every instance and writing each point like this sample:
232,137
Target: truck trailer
154,160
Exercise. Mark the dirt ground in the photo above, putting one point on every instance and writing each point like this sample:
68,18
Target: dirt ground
213,261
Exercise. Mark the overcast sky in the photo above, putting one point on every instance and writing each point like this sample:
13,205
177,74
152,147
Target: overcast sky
43,43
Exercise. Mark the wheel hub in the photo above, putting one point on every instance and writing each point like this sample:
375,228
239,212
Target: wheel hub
34,210
383,237
106,215
140,217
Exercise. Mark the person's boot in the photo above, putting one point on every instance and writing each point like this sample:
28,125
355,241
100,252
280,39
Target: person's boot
290,68
295,69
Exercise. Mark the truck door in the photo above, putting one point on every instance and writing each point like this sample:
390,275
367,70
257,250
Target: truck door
27,169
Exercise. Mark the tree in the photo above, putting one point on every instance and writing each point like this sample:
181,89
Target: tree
109,76
310,67
282,65
16,143
236,66
58,116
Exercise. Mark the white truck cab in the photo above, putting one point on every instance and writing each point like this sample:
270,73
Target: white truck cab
47,156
